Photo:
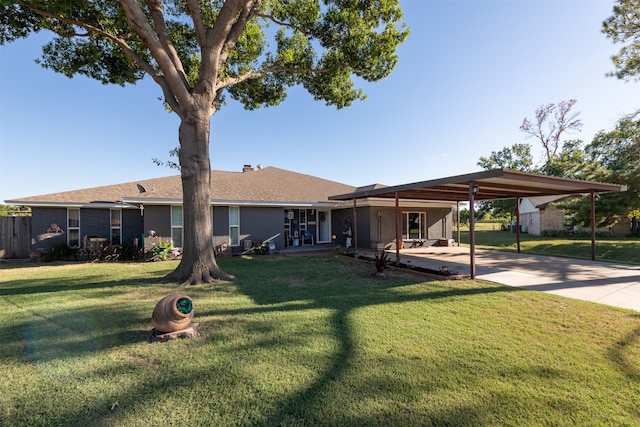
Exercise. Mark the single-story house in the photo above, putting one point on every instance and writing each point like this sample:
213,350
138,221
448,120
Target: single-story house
292,209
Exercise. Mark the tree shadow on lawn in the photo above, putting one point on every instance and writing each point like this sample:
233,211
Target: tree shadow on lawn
39,324
618,353
50,335
288,287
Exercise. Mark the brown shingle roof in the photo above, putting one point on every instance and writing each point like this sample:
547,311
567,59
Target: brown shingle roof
264,185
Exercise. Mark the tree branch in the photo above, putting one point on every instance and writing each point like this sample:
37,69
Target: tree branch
198,23
281,23
157,14
92,30
174,77
273,70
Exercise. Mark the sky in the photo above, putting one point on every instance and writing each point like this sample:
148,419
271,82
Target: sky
467,76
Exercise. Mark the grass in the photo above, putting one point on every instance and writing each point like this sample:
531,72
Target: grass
616,249
308,341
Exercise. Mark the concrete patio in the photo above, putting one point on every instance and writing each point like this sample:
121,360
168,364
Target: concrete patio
602,282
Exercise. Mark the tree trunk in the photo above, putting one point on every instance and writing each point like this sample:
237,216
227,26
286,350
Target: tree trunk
198,264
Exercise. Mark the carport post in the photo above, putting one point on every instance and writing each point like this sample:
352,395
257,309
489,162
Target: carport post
458,219
593,226
473,188
397,229
518,222
355,227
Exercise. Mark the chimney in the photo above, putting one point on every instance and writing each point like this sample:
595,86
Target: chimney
247,168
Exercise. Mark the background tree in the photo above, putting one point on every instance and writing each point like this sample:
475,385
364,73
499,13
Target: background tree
551,122
624,27
571,162
197,51
517,157
612,156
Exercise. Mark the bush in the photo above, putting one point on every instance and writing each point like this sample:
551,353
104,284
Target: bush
381,261
573,234
160,251
60,252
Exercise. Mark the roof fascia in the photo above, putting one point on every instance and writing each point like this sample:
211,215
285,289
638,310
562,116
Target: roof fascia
101,205
256,203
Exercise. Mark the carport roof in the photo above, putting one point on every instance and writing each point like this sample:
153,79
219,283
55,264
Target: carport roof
492,184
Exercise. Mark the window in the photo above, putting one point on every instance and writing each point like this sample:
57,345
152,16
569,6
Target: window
176,226
116,227
414,225
303,219
73,227
234,226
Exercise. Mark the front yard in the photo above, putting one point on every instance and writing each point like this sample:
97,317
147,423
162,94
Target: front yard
308,341
615,249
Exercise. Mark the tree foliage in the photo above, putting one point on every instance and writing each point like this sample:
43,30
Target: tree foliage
623,27
199,51
517,157
570,162
613,156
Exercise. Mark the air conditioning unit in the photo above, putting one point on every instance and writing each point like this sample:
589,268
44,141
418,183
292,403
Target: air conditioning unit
247,244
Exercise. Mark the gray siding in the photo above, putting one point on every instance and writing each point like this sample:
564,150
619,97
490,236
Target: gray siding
262,223
41,220
374,229
157,218
95,223
220,215
439,223
132,226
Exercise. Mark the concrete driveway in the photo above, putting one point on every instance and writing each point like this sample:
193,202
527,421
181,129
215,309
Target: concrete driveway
602,282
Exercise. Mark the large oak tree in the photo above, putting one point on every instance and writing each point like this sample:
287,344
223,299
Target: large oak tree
198,51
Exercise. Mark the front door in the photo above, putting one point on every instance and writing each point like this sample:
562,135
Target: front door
324,226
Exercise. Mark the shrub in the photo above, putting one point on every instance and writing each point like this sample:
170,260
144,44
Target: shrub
60,252
381,261
573,234
160,251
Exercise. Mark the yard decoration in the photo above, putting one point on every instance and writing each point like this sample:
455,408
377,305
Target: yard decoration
172,318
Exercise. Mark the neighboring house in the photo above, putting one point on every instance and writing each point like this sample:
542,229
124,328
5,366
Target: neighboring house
291,208
537,214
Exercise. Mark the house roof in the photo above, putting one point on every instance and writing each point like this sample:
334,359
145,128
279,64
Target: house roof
267,185
492,185
541,202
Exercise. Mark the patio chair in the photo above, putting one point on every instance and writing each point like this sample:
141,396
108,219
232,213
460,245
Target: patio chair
306,235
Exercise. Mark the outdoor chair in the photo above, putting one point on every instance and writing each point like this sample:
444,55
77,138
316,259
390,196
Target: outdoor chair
306,236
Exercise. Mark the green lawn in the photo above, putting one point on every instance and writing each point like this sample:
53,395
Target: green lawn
308,341
617,249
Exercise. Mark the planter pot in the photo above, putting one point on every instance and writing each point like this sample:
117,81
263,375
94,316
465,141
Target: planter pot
172,313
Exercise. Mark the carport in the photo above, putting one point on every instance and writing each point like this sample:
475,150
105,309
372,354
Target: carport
487,185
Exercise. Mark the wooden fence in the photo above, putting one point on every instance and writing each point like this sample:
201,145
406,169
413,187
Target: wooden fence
15,236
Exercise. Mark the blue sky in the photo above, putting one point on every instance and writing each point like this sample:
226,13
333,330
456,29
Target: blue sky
467,76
